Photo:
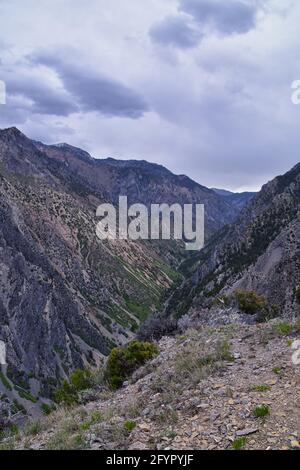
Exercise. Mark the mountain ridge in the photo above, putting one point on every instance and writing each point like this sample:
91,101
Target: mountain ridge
66,297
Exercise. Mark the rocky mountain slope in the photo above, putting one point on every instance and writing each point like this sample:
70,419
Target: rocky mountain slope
65,297
260,252
233,387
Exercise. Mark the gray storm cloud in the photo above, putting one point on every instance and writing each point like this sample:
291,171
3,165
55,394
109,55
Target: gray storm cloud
202,87
226,17
82,90
94,91
175,31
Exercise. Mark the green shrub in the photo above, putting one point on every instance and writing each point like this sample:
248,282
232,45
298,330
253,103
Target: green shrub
298,295
123,361
67,393
81,379
129,425
261,411
283,328
249,301
239,443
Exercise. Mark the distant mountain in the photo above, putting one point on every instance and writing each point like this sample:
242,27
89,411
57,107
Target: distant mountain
67,298
239,200
222,192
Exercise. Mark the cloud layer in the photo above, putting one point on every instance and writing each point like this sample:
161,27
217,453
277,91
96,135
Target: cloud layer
93,91
201,86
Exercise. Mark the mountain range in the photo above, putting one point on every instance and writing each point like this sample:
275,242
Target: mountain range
66,298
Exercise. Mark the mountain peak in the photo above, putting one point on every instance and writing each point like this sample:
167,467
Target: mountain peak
11,131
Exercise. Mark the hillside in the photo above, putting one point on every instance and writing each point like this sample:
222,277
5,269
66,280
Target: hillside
230,387
258,252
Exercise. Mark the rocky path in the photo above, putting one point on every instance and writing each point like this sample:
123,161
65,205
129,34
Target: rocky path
192,397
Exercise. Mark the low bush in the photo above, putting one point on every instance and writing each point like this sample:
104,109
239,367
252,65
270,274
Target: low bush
67,393
249,301
81,379
123,361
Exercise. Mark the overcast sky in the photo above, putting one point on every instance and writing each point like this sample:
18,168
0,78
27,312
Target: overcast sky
200,86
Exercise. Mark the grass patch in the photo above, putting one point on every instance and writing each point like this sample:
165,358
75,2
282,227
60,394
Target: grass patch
239,443
283,328
261,411
33,428
68,437
96,417
129,425
139,310
197,361
5,382
260,388
175,276
8,445
26,395
16,407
